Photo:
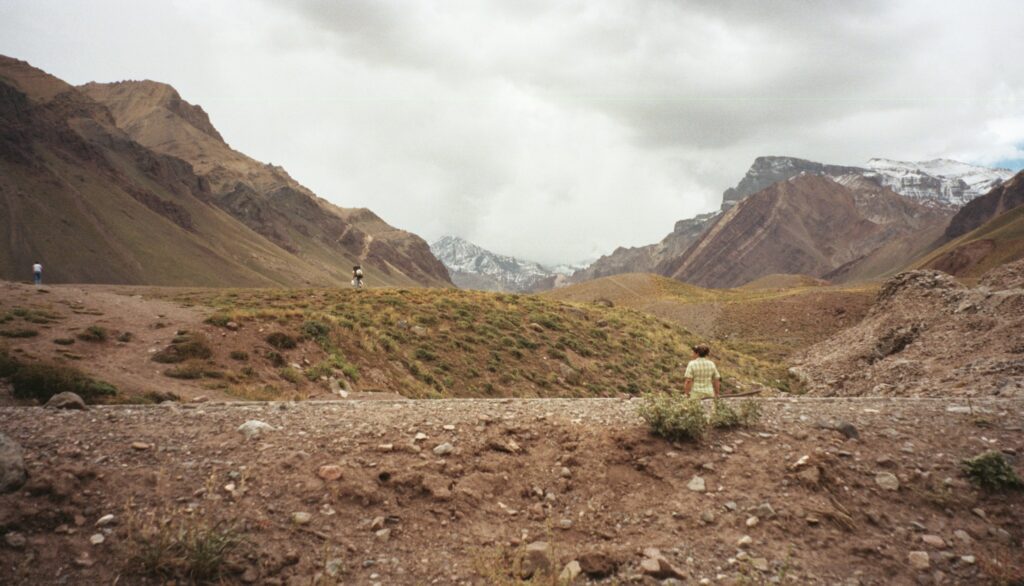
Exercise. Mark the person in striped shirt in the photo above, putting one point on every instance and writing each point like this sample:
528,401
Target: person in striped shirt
702,378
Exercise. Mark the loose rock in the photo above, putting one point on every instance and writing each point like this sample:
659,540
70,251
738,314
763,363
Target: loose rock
919,560
66,400
254,428
12,465
887,481
696,484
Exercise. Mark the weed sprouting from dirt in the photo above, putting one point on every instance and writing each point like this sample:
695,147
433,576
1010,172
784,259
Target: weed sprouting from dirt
991,472
188,549
19,333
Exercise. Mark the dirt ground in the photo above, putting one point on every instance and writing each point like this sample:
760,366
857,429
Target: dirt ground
791,500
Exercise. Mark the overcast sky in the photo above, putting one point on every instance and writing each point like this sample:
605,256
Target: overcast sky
555,131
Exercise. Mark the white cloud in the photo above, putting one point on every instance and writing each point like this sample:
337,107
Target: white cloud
555,130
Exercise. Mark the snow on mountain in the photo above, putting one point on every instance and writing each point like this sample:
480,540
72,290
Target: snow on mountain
939,183
940,180
473,267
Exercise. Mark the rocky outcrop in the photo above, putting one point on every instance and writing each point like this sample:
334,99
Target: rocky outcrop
928,335
768,170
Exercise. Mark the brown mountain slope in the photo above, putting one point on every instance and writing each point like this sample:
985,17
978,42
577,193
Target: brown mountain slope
264,197
94,206
808,225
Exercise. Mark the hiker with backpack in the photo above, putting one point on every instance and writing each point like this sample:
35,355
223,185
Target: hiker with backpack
37,273
702,377
357,277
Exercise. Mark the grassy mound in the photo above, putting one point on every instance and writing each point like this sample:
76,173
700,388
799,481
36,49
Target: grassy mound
444,342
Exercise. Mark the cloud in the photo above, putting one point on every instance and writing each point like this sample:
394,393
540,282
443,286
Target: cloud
555,131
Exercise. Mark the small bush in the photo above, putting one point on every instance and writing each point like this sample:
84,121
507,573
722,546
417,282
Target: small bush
184,347
723,415
281,341
239,355
42,381
424,355
94,334
19,333
276,359
317,330
292,375
125,337
991,472
64,341
188,371
673,417
8,364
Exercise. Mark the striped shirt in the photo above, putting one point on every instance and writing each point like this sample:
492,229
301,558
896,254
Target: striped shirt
702,371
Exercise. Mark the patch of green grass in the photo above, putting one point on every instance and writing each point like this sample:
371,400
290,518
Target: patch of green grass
190,550
673,417
292,375
992,472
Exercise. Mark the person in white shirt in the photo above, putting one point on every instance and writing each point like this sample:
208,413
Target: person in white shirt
37,272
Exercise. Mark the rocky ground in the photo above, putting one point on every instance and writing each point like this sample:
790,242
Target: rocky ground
821,491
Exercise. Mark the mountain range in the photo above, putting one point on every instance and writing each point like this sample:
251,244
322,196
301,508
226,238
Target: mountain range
473,267
839,222
129,183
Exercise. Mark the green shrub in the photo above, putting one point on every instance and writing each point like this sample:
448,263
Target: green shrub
64,341
8,364
239,355
184,347
125,337
674,417
317,331
194,552
292,375
281,341
94,334
424,354
723,415
991,472
19,333
42,381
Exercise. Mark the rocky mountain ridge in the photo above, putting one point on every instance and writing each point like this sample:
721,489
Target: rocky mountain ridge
473,267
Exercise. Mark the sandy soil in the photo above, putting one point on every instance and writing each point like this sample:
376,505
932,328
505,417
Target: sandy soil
582,475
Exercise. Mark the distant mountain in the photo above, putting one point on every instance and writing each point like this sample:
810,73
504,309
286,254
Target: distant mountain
810,225
986,233
941,183
128,183
473,267
263,196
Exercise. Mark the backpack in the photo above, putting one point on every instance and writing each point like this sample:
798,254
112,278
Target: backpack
359,273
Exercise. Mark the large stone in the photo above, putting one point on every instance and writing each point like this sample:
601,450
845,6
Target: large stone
919,560
12,465
570,572
657,566
536,559
329,472
66,400
597,564
444,449
696,484
254,428
887,481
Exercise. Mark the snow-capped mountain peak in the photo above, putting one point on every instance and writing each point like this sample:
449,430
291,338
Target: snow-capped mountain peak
943,181
474,267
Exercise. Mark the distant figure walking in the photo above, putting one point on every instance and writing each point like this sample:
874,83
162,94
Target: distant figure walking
702,378
357,277
37,273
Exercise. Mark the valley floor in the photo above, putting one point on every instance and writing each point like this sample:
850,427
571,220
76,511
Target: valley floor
347,493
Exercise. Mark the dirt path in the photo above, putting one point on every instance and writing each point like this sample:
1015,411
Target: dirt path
582,475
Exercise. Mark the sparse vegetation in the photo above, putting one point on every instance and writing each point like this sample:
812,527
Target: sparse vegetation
19,333
239,355
64,341
723,415
94,333
992,472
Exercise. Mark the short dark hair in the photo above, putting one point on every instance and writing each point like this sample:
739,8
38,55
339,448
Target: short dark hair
701,350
